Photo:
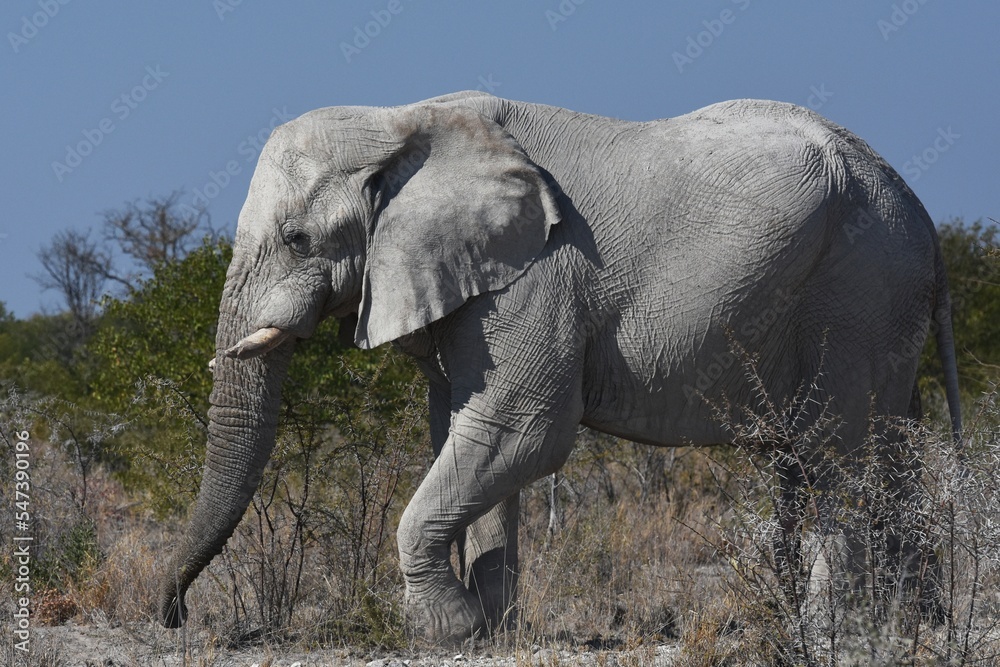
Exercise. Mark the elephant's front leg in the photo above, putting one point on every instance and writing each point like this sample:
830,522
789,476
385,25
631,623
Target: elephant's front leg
484,463
488,553
488,546
438,605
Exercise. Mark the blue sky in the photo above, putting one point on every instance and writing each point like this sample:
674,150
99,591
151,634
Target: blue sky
176,96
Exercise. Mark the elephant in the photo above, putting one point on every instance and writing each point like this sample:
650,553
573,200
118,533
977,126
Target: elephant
546,269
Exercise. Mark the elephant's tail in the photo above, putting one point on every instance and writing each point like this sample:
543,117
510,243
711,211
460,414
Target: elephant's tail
946,344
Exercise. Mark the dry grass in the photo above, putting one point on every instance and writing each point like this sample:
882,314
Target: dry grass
622,568
650,547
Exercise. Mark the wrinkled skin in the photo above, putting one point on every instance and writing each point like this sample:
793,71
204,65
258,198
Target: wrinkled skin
546,269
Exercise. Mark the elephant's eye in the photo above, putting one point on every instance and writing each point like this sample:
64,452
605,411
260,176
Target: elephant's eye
296,239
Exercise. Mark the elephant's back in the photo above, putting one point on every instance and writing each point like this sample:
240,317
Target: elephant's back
744,227
732,205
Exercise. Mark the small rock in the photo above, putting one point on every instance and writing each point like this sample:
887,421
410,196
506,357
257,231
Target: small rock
546,656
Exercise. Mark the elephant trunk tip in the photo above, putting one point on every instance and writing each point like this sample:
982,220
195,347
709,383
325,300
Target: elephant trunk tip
173,611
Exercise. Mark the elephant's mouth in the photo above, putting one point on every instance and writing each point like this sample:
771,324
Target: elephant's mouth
258,343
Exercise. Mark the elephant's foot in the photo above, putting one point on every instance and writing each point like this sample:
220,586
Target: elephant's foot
447,618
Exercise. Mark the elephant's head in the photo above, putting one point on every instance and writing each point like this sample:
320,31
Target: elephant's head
399,215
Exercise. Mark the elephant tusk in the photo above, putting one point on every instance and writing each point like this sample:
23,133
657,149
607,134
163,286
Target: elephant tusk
256,344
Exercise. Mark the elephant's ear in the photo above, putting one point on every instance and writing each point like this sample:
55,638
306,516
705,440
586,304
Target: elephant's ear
460,211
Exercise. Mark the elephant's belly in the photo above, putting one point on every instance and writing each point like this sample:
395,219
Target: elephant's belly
659,405
655,420
671,391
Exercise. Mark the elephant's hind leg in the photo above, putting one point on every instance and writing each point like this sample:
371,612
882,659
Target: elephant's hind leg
912,569
790,510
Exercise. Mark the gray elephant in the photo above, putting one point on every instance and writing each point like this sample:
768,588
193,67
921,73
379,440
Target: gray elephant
548,268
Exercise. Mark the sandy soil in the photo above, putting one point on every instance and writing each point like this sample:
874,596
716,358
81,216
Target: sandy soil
149,646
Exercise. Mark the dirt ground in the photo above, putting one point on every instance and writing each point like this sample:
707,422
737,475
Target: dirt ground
150,646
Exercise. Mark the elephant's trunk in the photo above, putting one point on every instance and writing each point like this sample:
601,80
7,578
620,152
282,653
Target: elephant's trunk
242,424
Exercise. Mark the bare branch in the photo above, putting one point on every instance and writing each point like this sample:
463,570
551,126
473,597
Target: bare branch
79,269
155,231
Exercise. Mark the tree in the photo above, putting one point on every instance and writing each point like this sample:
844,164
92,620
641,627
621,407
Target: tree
972,261
149,235
84,271
42,355
132,396
155,232
77,267
151,355
150,359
